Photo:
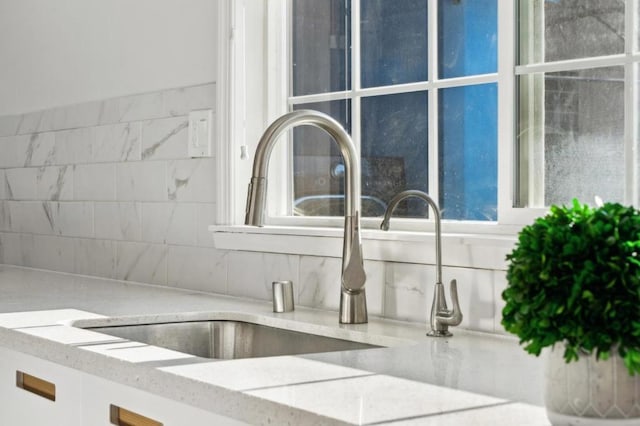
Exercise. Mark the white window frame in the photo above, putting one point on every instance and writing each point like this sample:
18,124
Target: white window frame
249,48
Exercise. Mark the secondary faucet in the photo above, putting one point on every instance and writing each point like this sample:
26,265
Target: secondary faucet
353,302
441,317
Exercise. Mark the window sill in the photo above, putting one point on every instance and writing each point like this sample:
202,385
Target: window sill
479,251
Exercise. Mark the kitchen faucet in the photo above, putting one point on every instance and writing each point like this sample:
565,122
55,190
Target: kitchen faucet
353,303
441,316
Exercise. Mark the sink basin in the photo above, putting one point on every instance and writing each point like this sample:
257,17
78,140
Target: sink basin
229,339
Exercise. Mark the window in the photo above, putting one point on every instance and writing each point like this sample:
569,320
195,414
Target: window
415,84
577,85
497,108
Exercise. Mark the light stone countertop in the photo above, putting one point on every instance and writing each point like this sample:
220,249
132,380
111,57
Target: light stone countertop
469,379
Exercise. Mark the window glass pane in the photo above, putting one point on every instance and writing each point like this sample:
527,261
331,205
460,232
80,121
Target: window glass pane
394,151
467,42
571,136
394,42
468,152
321,46
554,30
318,167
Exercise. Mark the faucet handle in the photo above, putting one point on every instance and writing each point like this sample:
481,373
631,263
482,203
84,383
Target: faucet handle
441,316
453,316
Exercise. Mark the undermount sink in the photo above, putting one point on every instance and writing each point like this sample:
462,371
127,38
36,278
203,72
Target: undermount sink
225,339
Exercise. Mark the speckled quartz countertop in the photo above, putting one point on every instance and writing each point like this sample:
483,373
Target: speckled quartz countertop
469,379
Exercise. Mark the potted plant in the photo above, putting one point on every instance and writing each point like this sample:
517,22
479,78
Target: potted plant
574,285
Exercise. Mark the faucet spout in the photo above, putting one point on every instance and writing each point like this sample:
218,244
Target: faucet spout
441,317
353,307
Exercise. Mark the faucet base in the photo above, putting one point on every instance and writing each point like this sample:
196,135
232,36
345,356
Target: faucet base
439,333
353,308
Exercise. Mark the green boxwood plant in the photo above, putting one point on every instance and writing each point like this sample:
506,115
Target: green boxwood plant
574,278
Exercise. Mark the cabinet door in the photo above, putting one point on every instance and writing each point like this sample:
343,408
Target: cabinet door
38,393
103,397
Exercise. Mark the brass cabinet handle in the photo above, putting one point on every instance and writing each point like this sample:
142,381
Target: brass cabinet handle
36,385
123,417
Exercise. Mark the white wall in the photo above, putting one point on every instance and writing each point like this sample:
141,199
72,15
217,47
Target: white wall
63,52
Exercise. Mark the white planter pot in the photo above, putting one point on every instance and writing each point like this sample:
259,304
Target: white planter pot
589,392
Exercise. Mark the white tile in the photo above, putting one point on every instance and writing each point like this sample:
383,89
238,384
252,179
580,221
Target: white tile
319,285
191,180
9,124
94,182
408,291
50,252
165,138
140,107
11,248
6,148
55,183
118,221
75,145
250,274
205,216
141,181
21,184
71,219
3,184
41,150
95,257
5,216
476,296
30,217
142,262
373,399
50,118
173,223
30,122
198,268
117,142
375,286
85,114
184,100
252,373
109,111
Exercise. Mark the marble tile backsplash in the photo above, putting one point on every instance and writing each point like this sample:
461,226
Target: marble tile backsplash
106,188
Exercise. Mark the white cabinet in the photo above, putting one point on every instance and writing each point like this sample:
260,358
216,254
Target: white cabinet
25,405
100,395
82,399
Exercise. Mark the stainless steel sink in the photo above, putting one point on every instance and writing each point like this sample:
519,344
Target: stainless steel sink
229,339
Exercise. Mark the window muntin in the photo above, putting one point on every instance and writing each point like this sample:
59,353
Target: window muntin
396,109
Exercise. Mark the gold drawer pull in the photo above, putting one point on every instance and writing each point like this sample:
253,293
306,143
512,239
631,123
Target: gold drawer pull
36,385
123,417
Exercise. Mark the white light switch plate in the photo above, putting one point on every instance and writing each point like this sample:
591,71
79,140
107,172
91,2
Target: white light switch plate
200,133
